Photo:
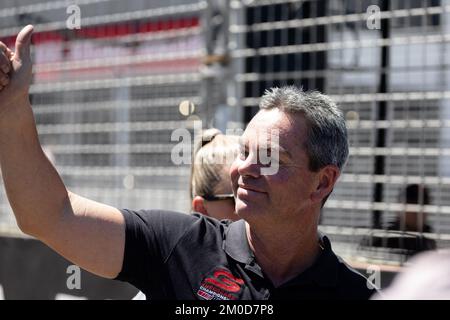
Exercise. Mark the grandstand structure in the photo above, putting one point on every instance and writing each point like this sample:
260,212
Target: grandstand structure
106,96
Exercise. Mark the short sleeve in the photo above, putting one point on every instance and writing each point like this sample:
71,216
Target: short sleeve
150,237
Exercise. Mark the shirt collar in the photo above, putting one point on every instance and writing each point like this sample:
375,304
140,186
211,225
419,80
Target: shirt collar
236,242
323,272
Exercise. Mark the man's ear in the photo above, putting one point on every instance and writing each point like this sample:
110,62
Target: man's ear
198,205
327,178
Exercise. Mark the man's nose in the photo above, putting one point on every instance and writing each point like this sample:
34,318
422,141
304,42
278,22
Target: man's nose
249,167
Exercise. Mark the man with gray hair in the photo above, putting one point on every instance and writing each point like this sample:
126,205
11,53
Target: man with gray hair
274,252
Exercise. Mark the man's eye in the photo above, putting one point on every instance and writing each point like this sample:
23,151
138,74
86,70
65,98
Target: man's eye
269,155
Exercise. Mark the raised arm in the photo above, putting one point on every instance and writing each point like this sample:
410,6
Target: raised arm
90,234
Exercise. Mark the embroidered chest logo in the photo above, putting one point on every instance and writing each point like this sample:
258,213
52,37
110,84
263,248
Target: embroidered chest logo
220,285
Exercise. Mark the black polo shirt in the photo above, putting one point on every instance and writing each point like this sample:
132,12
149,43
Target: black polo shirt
175,256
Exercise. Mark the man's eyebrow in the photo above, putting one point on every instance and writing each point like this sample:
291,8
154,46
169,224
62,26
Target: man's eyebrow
245,144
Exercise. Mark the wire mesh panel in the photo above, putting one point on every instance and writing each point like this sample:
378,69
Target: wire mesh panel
106,95
386,64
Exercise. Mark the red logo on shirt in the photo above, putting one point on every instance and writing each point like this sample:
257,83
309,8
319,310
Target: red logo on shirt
220,285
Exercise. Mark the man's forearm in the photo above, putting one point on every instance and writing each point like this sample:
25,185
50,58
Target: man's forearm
35,190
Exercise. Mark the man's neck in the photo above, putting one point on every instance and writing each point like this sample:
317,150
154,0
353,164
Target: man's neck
285,254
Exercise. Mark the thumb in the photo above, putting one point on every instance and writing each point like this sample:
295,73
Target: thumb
23,43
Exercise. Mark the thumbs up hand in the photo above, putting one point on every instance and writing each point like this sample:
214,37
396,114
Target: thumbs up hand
15,69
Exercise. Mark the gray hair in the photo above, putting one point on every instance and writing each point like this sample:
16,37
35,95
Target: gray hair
327,134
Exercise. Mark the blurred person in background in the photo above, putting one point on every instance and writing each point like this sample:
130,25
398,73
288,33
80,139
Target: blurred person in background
274,252
413,220
404,234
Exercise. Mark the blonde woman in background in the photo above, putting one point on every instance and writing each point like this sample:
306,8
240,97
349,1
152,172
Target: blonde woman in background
210,189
